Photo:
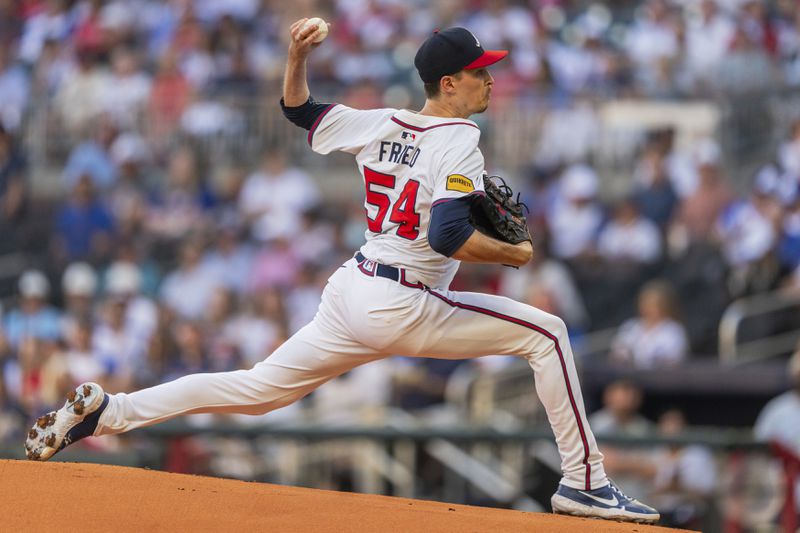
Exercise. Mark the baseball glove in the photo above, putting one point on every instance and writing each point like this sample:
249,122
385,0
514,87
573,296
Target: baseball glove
498,214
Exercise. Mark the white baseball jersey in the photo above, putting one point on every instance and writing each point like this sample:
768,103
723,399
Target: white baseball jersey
409,162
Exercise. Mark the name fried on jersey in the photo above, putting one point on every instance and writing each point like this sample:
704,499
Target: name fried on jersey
399,153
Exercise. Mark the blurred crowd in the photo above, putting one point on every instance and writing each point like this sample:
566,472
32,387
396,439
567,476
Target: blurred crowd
179,61
156,260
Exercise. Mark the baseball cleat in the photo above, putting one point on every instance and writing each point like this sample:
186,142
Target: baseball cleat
76,420
606,502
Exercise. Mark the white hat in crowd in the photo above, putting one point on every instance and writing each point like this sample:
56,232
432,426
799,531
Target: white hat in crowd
33,284
123,278
129,148
707,152
579,182
79,279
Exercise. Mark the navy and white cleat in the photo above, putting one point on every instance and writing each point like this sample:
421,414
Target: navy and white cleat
76,420
606,502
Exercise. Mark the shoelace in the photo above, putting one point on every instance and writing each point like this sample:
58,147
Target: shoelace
623,497
507,192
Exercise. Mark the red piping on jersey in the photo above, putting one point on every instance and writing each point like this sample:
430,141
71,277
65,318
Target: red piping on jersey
316,123
416,128
443,200
553,338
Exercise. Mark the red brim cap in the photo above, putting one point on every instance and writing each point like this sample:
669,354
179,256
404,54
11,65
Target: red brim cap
489,57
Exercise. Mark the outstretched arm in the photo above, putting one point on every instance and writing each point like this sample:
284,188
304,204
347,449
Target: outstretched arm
295,84
480,248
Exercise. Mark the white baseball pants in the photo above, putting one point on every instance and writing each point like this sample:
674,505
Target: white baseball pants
362,318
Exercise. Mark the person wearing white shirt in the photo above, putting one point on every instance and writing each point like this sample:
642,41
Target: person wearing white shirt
629,236
128,90
708,36
274,198
779,420
576,217
187,290
655,338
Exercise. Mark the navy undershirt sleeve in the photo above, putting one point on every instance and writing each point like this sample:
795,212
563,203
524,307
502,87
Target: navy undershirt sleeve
449,227
304,115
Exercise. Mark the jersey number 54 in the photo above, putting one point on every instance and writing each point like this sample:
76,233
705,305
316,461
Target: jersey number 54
403,212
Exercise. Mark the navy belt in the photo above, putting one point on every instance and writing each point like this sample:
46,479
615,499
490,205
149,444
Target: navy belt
372,269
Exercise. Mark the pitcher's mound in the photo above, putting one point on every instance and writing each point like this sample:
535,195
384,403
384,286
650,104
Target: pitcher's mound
82,497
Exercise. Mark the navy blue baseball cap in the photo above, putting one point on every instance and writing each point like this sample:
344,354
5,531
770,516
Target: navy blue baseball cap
449,51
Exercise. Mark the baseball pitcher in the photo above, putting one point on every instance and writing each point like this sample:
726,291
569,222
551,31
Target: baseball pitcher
426,192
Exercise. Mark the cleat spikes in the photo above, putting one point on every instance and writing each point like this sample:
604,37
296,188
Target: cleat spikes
71,396
87,390
50,441
78,408
32,434
46,420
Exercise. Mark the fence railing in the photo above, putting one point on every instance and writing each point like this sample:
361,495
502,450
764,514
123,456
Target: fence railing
734,351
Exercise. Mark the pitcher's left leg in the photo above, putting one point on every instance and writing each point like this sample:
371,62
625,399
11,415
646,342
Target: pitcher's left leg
457,325
465,325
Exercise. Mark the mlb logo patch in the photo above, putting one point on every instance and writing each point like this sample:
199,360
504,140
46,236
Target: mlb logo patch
407,135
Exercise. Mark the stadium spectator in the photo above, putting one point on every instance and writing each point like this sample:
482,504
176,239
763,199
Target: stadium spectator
79,286
746,67
92,157
84,227
789,244
628,237
575,218
127,198
79,98
779,420
620,416
115,345
652,41
54,65
259,327
11,420
708,35
123,282
685,477
170,95
191,356
747,230
183,205
14,89
34,318
127,91
654,193
420,383
655,338
89,33
274,197
53,22
544,274
229,259
79,361
223,353
789,151
698,213
187,290
13,188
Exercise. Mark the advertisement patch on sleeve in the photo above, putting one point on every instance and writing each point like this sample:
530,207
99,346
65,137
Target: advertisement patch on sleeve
457,182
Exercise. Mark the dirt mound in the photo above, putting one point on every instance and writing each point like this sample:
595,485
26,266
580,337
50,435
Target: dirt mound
83,497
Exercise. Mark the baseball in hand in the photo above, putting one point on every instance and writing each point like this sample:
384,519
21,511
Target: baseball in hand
322,30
